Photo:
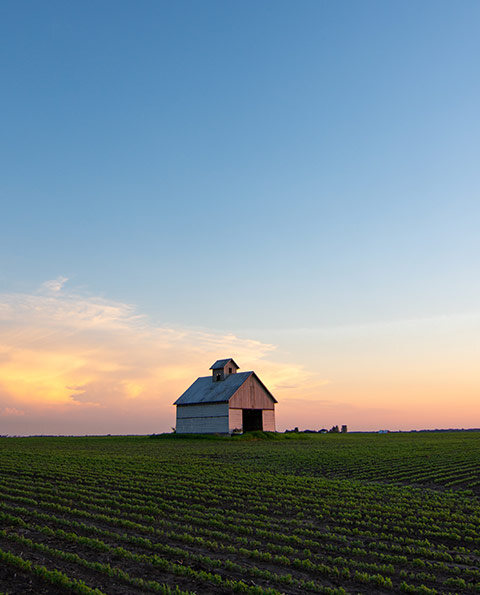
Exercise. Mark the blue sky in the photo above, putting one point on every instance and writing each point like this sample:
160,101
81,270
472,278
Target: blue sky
256,168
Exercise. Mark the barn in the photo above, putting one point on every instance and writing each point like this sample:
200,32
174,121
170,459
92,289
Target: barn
227,400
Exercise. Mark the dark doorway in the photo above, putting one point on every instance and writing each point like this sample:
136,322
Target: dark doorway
252,420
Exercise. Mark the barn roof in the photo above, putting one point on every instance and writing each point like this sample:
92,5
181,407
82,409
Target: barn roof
204,390
221,363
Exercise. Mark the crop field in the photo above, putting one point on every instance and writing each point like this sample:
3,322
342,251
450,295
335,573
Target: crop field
347,513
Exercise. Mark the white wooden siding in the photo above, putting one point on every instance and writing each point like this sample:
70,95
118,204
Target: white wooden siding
202,419
206,410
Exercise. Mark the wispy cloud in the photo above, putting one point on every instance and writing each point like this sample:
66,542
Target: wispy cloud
54,285
91,357
11,411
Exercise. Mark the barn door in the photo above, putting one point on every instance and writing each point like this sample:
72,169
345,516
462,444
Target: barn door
252,420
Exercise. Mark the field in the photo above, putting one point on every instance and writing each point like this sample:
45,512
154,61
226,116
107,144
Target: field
353,513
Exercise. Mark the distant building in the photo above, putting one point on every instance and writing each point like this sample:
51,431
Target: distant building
225,401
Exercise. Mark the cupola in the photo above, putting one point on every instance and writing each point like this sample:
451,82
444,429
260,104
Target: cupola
223,368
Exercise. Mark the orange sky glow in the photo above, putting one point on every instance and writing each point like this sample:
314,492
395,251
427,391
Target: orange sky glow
71,364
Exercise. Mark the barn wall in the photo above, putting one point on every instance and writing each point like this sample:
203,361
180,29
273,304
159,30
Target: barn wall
251,395
268,420
235,419
202,419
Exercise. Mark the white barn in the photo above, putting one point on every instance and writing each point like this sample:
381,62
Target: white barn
225,401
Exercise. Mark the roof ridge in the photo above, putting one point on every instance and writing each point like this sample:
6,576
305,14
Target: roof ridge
221,363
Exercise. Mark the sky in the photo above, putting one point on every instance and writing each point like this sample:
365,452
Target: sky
292,184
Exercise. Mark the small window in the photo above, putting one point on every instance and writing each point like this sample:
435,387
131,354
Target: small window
219,377
229,370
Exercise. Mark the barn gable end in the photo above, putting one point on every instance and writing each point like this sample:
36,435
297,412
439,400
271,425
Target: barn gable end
252,395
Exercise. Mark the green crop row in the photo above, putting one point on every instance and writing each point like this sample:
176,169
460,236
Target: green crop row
326,514
53,577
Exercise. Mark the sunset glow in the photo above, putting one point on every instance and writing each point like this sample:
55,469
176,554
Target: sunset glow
94,366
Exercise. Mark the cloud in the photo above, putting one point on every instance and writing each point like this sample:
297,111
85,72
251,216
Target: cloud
97,363
55,285
11,411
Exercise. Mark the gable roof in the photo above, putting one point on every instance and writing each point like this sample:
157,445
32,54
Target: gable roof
221,363
204,390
